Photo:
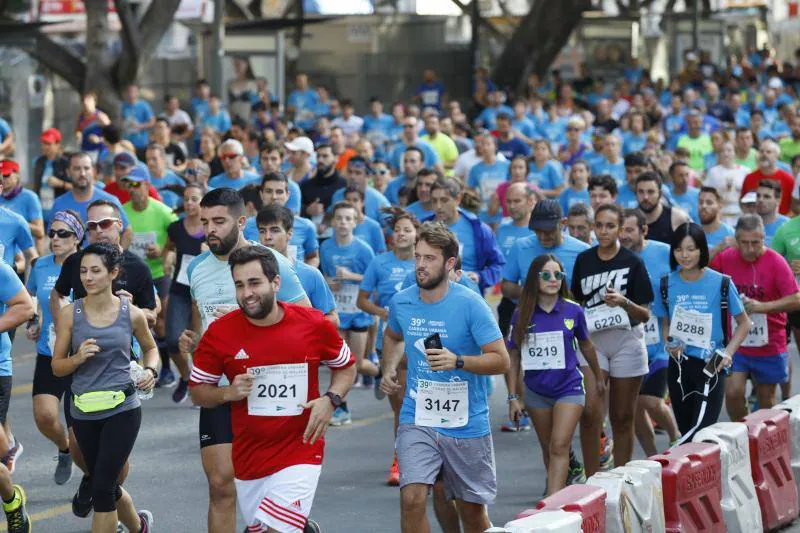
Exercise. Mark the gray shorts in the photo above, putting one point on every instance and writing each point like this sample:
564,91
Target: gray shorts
621,352
467,465
537,401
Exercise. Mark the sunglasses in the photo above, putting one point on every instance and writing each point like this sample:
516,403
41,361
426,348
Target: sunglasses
61,233
381,172
229,156
547,276
409,126
103,224
573,129
131,184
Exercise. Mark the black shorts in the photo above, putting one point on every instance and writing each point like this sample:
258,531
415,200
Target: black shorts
504,313
655,383
44,382
67,404
5,397
215,426
358,329
793,320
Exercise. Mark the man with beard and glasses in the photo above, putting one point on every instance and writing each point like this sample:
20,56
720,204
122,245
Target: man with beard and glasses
278,416
452,342
661,219
214,295
82,173
719,235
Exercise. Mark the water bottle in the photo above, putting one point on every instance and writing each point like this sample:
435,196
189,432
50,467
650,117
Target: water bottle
674,344
137,373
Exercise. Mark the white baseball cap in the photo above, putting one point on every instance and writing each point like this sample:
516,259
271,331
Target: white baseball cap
749,198
301,144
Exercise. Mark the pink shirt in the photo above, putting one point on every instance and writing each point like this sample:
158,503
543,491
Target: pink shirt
768,279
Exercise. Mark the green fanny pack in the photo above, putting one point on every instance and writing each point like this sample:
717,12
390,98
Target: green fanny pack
101,400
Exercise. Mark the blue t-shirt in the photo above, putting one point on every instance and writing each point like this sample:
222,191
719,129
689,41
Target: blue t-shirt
43,277
10,285
485,179
430,157
633,143
488,117
67,201
702,296
430,94
373,203
466,243
615,170
170,198
220,123
317,290
419,211
464,323
570,197
381,124
554,131
549,176
688,202
513,147
306,104
656,258
526,127
392,190
222,180
717,236
371,233
356,257
304,237
525,250
770,229
15,234
508,234
5,129
626,197
384,277
137,113
25,204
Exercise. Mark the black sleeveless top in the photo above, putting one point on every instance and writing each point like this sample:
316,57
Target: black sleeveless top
661,228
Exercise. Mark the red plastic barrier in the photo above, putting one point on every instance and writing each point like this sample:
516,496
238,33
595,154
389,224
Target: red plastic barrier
770,461
589,501
691,479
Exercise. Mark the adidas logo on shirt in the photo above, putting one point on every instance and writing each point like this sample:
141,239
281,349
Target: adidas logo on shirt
241,355
296,504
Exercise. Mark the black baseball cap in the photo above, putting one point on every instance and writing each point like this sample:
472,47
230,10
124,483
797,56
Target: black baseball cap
546,215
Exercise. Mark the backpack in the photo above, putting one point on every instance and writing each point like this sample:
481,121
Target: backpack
724,288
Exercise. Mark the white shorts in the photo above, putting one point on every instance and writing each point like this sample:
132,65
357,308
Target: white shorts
281,501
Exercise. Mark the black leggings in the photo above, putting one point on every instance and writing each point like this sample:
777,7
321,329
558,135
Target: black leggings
692,377
106,445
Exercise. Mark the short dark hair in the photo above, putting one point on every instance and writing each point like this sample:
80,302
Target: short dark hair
247,254
78,155
450,185
771,184
635,159
606,182
675,165
614,208
636,213
649,176
275,213
439,236
580,210
109,254
415,149
322,146
696,233
101,203
710,190
226,197
355,189
274,176
250,194
111,134
342,205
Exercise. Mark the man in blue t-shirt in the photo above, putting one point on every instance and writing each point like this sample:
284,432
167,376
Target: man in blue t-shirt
138,118
430,93
452,342
508,143
231,153
303,102
486,175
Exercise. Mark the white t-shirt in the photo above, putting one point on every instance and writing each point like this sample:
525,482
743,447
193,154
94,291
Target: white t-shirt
349,126
728,182
180,117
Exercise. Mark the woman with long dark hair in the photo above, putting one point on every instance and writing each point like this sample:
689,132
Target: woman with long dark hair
545,333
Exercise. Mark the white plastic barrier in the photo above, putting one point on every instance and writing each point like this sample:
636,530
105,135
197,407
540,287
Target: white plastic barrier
793,406
544,522
651,477
631,504
739,500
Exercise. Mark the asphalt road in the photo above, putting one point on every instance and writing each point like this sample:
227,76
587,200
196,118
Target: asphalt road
166,476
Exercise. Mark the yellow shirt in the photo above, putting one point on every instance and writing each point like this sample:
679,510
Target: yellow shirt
445,148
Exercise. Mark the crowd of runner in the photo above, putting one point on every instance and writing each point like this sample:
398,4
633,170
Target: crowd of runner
622,254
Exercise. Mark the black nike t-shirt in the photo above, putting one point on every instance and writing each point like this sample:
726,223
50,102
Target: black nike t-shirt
187,247
626,272
134,277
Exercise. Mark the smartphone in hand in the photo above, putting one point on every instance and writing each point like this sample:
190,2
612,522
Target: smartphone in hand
433,342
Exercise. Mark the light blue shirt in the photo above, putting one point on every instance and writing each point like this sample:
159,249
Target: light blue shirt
316,288
384,277
615,170
770,229
373,202
15,234
381,124
10,285
549,176
41,281
418,211
220,123
392,191
702,296
356,257
717,236
626,197
170,198
688,202
488,117
304,236
633,143
25,204
396,155
68,201
508,234
464,323
656,259
223,180
466,243
525,250
137,113
306,104
371,233
571,197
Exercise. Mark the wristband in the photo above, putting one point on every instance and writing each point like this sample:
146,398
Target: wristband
512,397
153,371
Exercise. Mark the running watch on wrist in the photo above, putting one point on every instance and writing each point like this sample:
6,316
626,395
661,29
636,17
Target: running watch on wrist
459,362
335,399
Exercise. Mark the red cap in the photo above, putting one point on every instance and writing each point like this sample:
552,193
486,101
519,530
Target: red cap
52,136
8,166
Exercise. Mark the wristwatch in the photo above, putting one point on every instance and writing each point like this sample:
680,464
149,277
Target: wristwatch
459,362
152,371
335,399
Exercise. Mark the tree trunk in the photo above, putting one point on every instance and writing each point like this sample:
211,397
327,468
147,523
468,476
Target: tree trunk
98,61
538,39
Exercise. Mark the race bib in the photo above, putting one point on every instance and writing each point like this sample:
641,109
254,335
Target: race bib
47,196
140,243
278,390
544,351
603,317
346,297
651,331
442,404
51,337
758,335
183,273
210,311
488,188
691,327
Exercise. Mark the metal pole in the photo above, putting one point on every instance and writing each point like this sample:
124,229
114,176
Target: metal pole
474,43
696,27
218,51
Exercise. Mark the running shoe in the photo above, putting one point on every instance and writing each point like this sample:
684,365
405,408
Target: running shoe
82,501
63,468
166,379
368,381
13,455
510,426
17,517
341,417
312,527
394,474
606,453
146,518
181,391
576,473
121,528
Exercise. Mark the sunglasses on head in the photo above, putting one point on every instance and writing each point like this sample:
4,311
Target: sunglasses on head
229,156
103,224
61,233
547,276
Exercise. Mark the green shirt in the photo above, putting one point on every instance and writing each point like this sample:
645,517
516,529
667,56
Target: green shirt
150,227
748,162
786,240
789,148
444,147
698,148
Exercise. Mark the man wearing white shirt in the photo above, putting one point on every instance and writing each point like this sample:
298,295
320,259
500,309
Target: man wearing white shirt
727,177
472,157
348,122
177,117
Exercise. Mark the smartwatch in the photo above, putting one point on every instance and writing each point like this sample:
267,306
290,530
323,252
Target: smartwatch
335,399
459,362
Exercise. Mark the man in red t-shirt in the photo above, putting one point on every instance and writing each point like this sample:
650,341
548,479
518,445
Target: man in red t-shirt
767,169
271,353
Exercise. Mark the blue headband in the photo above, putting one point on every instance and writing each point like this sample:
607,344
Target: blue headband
70,220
